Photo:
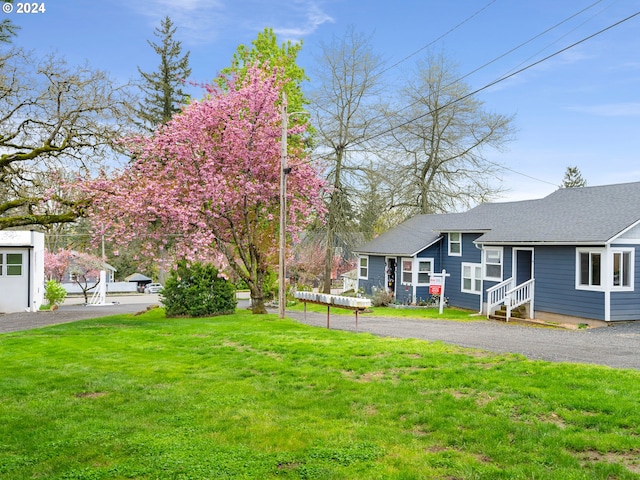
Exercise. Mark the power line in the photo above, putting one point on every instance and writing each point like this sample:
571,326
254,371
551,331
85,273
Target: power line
496,58
566,34
529,40
440,37
497,81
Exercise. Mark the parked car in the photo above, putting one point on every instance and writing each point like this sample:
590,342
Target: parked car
153,288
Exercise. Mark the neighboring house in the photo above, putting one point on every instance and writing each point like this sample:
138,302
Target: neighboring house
350,280
570,254
94,276
21,271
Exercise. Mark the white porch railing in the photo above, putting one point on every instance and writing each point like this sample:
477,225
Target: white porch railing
497,294
520,295
511,295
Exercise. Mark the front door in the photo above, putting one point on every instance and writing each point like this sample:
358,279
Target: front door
391,275
522,264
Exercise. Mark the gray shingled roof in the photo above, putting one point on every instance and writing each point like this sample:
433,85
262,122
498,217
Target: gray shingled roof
585,215
569,215
409,237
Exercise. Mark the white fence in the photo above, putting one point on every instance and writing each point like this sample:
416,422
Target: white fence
112,287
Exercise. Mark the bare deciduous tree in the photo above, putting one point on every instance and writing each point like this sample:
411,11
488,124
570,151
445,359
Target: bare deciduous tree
348,75
440,139
54,119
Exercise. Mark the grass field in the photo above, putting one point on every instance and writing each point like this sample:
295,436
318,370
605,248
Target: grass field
255,397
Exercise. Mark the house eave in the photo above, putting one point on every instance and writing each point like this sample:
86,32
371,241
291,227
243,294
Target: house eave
398,254
543,243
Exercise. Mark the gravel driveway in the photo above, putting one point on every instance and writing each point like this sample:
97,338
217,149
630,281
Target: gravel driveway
73,309
617,345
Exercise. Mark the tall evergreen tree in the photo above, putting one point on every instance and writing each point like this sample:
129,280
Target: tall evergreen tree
573,178
8,29
163,93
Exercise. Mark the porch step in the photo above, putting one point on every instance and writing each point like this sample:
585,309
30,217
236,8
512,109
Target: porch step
501,313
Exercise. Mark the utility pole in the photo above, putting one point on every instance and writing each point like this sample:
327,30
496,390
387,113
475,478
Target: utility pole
284,171
282,295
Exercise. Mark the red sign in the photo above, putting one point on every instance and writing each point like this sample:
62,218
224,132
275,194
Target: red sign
435,285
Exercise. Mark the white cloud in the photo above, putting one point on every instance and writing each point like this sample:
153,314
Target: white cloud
311,18
199,21
627,109
204,21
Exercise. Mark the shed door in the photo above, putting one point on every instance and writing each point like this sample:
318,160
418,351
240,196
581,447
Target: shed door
14,280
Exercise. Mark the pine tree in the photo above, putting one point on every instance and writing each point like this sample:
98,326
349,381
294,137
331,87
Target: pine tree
8,29
163,93
573,178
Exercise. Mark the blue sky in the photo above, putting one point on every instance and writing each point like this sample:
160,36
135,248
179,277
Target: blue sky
580,108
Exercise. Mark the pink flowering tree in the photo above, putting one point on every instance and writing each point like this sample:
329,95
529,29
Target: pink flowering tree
206,186
81,268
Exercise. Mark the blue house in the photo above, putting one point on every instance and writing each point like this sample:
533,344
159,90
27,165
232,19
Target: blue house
567,257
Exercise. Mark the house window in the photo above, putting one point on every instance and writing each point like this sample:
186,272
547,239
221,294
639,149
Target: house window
589,268
493,264
622,269
472,278
425,270
455,244
594,273
14,264
363,270
407,270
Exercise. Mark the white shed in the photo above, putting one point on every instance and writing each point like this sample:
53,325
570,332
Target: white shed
21,271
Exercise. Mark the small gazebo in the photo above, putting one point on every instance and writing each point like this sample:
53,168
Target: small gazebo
140,279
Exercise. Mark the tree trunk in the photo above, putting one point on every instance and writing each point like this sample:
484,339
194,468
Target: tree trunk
257,298
328,263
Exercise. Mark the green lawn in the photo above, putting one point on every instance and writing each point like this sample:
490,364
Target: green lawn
256,397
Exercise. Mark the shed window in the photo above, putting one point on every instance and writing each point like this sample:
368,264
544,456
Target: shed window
14,264
11,264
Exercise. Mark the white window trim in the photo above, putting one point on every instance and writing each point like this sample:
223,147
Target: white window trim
455,254
4,264
484,264
473,266
603,277
360,267
632,262
416,269
402,271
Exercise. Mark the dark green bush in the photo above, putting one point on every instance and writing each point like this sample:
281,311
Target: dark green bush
196,290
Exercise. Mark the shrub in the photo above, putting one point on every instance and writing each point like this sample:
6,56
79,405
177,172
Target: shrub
381,298
270,286
196,290
54,292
